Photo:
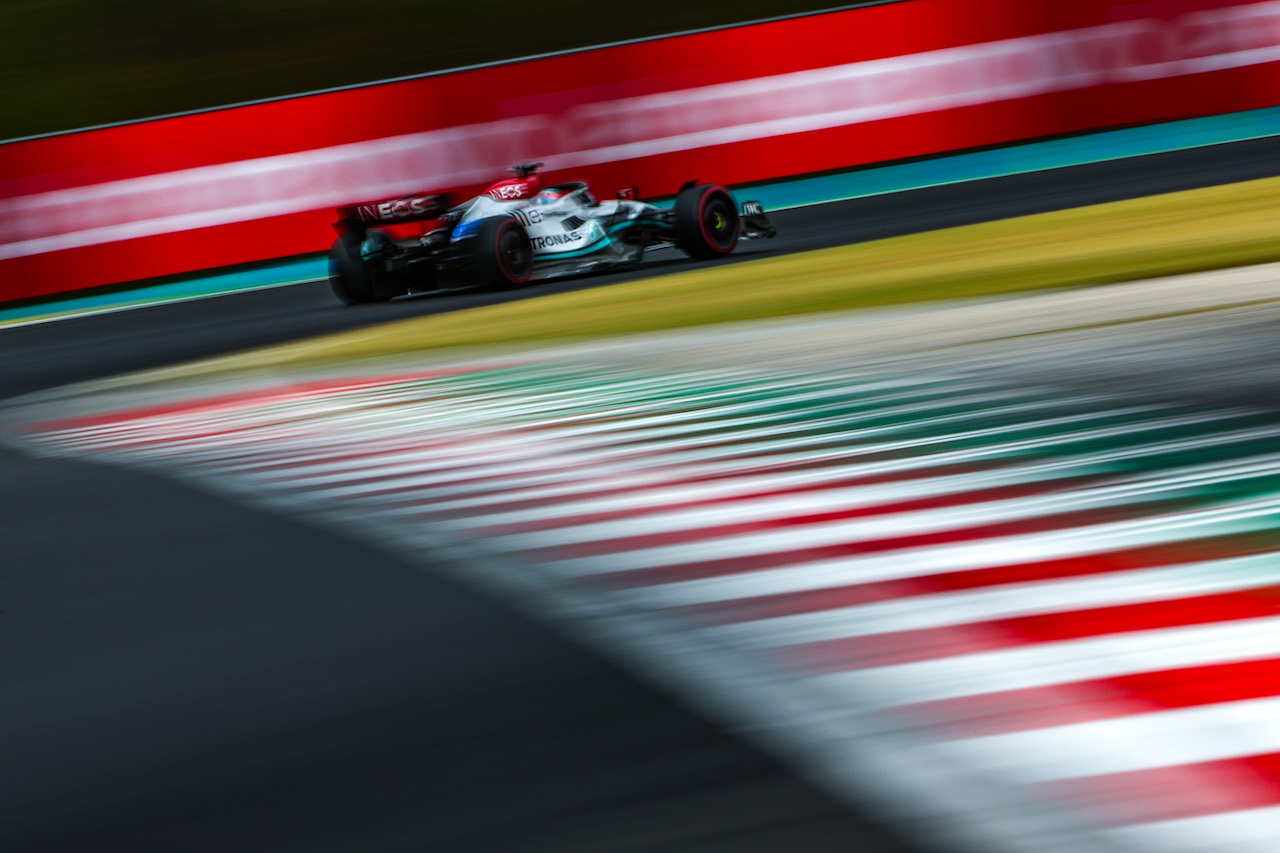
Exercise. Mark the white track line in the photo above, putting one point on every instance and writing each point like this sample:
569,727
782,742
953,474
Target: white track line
565,501
1005,601
1124,744
559,469
1127,492
1244,831
963,556
530,446
1046,664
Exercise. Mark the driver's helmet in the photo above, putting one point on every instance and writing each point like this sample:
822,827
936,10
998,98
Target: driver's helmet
552,195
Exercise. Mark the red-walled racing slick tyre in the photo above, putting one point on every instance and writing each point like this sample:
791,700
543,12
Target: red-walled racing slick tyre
707,222
502,254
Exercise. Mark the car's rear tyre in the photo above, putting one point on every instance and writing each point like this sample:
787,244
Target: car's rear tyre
707,222
355,280
501,254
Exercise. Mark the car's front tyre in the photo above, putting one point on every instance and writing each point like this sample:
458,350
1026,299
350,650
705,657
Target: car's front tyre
707,222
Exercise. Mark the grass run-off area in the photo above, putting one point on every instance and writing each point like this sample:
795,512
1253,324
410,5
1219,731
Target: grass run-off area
1180,232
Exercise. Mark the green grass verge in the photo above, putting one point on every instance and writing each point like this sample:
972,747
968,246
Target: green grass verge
1181,232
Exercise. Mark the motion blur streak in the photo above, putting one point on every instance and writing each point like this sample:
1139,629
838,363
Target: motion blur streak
625,129
830,92
1066,595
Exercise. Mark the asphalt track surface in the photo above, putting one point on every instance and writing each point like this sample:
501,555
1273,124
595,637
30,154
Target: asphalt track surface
185,674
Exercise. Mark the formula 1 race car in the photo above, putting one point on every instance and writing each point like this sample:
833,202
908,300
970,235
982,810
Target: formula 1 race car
518,231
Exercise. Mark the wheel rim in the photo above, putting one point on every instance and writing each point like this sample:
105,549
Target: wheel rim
515,253
718,223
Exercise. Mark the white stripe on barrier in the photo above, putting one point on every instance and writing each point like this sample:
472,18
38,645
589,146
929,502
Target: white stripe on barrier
645,126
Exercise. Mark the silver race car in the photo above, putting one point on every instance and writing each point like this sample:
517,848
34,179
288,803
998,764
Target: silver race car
519,230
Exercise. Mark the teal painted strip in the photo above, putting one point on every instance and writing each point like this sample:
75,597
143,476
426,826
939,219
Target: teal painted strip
803,192
1020,159
272,275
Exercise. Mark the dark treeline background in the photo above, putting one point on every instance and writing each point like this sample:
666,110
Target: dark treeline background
77,63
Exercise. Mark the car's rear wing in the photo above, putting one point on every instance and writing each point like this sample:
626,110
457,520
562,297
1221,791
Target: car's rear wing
409,208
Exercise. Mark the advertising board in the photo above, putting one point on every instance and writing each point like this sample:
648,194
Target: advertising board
732,106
